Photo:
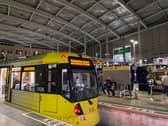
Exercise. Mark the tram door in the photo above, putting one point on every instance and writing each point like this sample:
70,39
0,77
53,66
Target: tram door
49,100
6,84
65,80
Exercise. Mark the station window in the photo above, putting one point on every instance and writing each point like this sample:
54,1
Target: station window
10,51
25,52
35,53
19,52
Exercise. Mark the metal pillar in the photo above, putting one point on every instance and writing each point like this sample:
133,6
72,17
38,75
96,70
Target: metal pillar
107,51
124,50
69,49
134,55
58,49
139,43
85,45
30,49
100,50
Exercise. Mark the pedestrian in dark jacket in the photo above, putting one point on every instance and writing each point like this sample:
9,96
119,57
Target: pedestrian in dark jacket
109,87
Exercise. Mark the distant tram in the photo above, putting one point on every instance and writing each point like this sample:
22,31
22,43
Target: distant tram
58,84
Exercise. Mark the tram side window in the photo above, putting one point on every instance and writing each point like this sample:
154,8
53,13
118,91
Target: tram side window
52,78
65,83
28,81
42,78
15,81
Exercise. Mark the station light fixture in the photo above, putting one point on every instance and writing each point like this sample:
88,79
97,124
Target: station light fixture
131,40
134,41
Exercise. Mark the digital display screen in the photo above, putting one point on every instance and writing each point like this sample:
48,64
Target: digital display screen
29,69
80,62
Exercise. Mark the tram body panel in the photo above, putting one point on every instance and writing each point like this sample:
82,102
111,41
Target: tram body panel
26,99
49,104
90,116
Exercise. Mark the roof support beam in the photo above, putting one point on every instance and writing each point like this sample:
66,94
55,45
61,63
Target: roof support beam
109,11
102,35
56,14
165,13
9,7
130,1
161,11
47,15
154,2
37,7
12,31
81,11
116,16
21,30
59,12
146,6
65,24
135,33
13,37
82,28
72,19
23,21
124,5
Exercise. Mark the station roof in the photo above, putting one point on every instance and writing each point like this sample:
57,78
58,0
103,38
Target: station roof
45,23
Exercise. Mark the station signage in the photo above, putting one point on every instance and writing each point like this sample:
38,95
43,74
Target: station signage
29,69
79,62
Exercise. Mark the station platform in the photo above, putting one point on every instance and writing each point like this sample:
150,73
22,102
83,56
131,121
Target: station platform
10,115
156,103
125,111
114,111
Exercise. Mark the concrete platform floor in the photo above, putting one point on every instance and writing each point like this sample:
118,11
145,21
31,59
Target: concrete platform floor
157,102
10,116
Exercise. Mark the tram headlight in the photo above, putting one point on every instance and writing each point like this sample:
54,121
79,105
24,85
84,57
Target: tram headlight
78,109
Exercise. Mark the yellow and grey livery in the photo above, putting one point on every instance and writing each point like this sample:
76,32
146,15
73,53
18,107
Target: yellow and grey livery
48,84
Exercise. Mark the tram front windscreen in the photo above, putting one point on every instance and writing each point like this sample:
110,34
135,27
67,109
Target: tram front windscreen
84,84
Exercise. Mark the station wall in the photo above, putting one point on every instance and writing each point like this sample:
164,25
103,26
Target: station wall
14,51
154,43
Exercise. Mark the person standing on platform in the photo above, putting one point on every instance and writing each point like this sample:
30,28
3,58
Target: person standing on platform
164,80
100,82
132,75
108,86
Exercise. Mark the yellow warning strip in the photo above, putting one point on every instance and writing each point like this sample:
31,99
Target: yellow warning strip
115,68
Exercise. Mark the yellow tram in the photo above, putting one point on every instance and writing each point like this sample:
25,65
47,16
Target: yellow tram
58,84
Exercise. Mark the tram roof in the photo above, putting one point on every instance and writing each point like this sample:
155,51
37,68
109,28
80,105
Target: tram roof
49,58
